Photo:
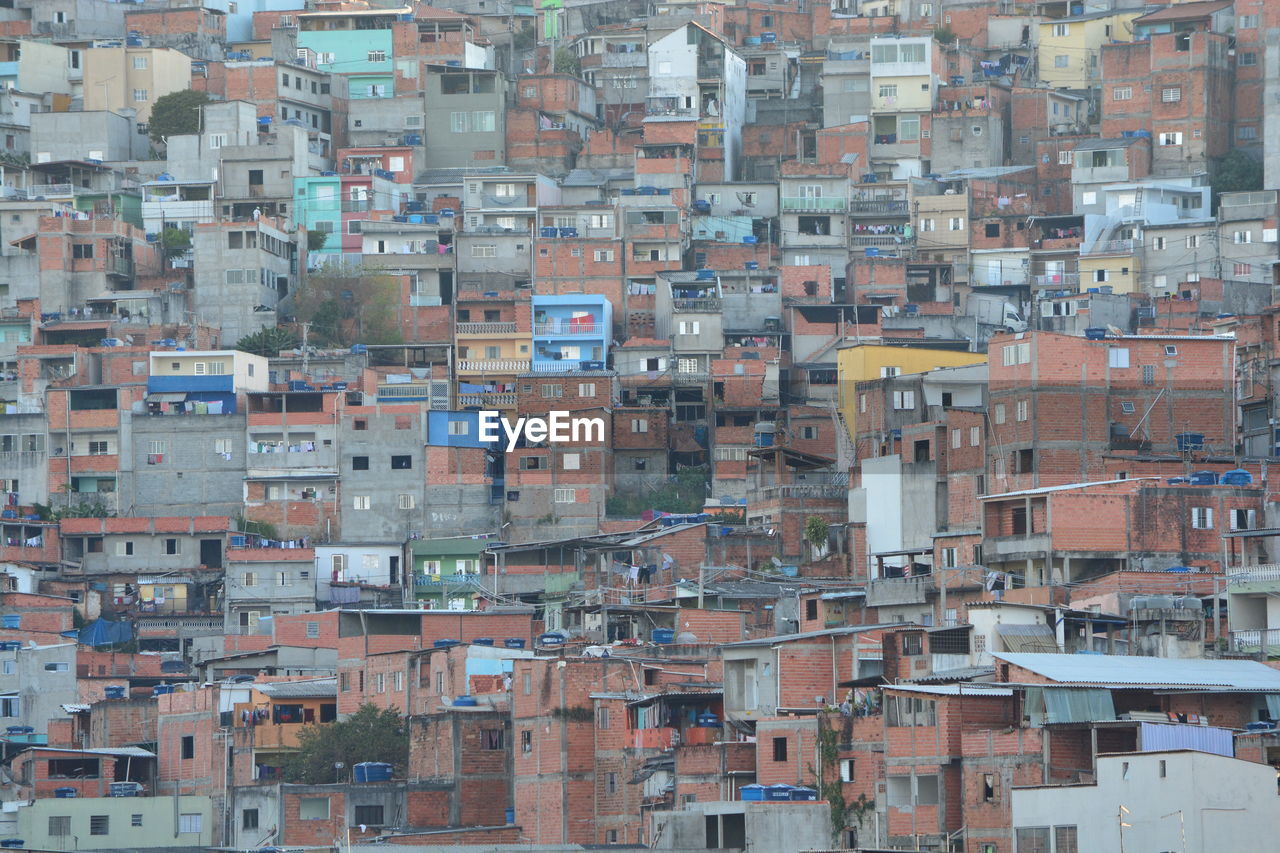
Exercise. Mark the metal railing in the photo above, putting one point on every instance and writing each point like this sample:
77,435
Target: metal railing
566,327
824,491
819,205
888,206
1056,280
711,305
46,190
497,398
1261,573
1109,247
1257,641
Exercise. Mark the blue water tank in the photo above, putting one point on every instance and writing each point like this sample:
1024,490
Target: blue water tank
13,843
768,38
752,793
465,702
549,231
114,692
1095,333
513,642
359,349
19,730
708,721
705,275
1204,478
778,793
751,265
444,644
1189,441
803,794
64,793
549,639
510,815
789,571
1237,477
10,646
663,635
11,620
482,641
871,252
373,771
162,690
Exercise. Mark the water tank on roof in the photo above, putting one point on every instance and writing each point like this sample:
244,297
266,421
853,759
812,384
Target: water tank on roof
1204,478
1237,477
373,771
513,643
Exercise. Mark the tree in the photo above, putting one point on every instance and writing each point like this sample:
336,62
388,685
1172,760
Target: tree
176,113
370,734
944,34
174,242
346,305
1235,172
816,531
316,240
566,61
268,342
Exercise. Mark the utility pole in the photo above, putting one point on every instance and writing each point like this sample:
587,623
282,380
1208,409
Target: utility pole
306,358
702,585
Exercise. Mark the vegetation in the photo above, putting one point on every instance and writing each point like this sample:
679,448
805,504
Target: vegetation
566,61
816,531
1235,172
944,34
686,492
370,734
174,242
316,240
268,342
832,790
573,715
348,305
176,114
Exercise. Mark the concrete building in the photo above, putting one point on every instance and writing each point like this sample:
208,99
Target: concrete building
242,272
1161,800
133,78
464,118
123,823
86,136
35,681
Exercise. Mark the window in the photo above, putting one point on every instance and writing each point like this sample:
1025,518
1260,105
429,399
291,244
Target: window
282,579
140,62
890,371
1241,237
380,682
949,557
926,225
313,808
377,56
956,223
99,448
360,502
1202,518
903,400
359,463
188,747
639,425
1193,241
404,502
1033,839
1248,22
1064,158
565,496
1171,138
398,682
991,229
249,819
483,121
139,95
124,549
1061,61
975,436
552,391
587,389
1065,838
780,749
82,250
689,327
99,824
888,90
571,461
1158,243
955,439
487,250
526,739
1247,132
1243,519
313,630
1171,94
401,463
1247,58
603,256
59,825
1020,411
249,579
1061,30
1239,269
1122,93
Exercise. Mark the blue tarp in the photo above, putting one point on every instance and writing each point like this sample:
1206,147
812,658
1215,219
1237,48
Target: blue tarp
101,632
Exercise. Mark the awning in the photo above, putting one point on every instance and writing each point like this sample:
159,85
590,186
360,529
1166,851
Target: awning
1028,638
166,398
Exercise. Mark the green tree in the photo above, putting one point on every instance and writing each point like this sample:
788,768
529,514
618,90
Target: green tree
566,61
1235,172
686,492
316,240
176,113
174,242
346,305
944,34
816,530
268,342
370,734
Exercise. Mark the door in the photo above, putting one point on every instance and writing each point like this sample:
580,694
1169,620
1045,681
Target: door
211,553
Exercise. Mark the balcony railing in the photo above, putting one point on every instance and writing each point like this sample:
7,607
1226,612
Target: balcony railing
120,266
1109,247
861,240
1064,280
710,306
494,365
486,328
437,581
824,491
1258,641
562,328
910,590
48,190
1262,573
818,205
356,205
885,206
500,399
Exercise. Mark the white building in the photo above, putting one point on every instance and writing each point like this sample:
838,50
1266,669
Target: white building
1153,801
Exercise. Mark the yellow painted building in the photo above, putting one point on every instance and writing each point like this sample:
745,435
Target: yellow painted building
1119,271
119,78
861,362
1070,50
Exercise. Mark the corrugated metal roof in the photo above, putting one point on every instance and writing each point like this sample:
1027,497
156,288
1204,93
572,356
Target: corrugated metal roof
967,689
1147,671
299,689
1044,490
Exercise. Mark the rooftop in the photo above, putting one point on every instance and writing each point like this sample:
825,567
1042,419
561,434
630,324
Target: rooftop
1133,671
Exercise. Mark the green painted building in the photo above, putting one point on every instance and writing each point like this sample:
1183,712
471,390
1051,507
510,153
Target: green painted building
447,572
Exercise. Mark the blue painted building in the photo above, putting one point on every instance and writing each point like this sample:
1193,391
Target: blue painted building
214,379
569,329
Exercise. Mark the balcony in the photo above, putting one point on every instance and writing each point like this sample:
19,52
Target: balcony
879,207
50,190
663,738
912,590
681,378
1061,280
486,328
709,305
1259,641
1110,247
120,267
491,400
441,581
494,365
567,328
355,205
814,205
882,240
818,491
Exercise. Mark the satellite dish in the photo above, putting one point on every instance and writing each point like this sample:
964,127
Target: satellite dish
774,560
